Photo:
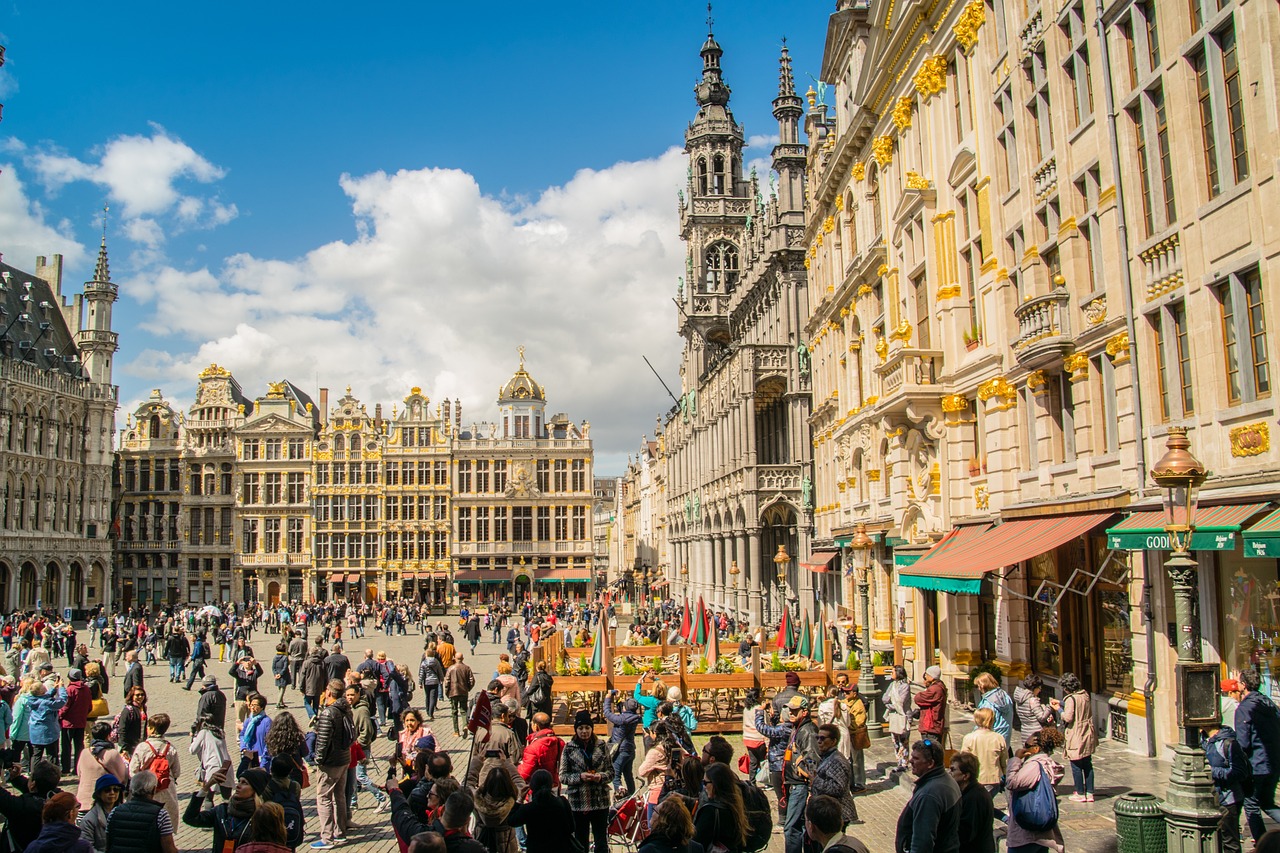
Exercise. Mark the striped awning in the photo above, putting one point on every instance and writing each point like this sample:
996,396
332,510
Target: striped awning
354,577
1216,528
408,576
1263,538
565,575
820,561
960,561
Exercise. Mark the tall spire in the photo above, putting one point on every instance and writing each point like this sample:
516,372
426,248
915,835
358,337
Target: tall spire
711,89
103,270
786,81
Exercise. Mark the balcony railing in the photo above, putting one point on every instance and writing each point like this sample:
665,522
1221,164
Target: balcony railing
1044,327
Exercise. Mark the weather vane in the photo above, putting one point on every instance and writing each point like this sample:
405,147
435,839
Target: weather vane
710,22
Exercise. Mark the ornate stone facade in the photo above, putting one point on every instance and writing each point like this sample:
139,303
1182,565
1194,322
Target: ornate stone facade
735,450
57,426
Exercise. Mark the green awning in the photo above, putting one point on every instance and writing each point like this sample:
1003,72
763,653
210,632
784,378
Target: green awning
846,541
1263,538
961,586
1216,529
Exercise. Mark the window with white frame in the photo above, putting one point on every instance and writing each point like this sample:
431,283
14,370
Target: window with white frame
1244,336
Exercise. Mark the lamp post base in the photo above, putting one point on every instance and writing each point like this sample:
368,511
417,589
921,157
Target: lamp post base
867,690
1190,806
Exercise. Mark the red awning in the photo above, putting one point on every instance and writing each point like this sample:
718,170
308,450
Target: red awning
354,577
971,552
820,561
566,575
408,576
1207,518
660,584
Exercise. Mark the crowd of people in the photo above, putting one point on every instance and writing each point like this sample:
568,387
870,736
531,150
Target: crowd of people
90,777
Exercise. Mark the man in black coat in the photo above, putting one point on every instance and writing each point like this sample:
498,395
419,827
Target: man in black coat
212,702
133,674
1258,733
23,811
337,664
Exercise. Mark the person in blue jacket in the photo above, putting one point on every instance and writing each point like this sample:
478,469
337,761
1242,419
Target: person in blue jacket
779,736
625,724
42,720
649,700
1258,733
253,734
1230,770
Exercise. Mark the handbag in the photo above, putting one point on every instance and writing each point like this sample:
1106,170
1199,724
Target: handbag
1036,810
949,751
99,708
862,738
744,763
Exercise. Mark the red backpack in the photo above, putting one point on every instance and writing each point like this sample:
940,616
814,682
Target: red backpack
159,765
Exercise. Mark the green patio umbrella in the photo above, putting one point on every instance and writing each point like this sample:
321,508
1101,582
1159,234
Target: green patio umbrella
806,648
820,642
597,648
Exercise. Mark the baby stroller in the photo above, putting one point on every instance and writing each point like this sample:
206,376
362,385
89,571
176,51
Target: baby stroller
628,823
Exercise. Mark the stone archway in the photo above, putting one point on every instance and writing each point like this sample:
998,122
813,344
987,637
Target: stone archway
6,585
273,594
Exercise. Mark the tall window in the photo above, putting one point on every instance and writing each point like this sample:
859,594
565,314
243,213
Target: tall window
1244,335
1220,95
1087,189
1038,107
464,476
1076,64
544,524
500,524
722,267
297,448
1062,417
544,475
271,535
1006,141
482,524
561,481
252,489
522,524
249,539
464,524
1182,351
579,523
562,523
1155,167
275,448
482,476
1160,342
920,290
251,449
1202,10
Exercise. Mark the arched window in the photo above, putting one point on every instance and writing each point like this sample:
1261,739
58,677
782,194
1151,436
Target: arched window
702,176
717,175
722,268
66,524
38,506
339,443
20,516
153,427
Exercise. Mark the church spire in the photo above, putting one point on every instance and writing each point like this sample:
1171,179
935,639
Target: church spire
711,89
788,154
786,80
103,271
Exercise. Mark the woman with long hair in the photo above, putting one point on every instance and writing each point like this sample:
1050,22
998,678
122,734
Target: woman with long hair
269,832
285,741
690,774
1001,705
722,818
1081,735
897,710
494,800
671,829
411,730
654,767
544,817
131,721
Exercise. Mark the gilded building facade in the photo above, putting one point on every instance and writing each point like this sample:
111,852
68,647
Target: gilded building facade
418,499
1014,296
273,520
57,430
736,449
522,501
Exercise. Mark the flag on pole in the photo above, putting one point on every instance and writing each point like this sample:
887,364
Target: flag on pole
820,642
701,636
806,649
597,648
784,640
481,716
685,624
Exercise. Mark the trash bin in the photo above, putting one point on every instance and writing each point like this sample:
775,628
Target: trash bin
1140,826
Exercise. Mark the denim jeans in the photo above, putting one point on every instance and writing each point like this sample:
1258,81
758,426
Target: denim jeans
384,706
622,768
177,665
793,826
364,783
1082,774
1263,799
431,695
309,704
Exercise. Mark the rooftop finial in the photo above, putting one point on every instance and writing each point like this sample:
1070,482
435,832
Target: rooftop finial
520,349
786,80
103,270
710,21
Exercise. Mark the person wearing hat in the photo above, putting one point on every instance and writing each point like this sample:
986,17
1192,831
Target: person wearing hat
785,694
212,702
932,702
72,718
800,763
107,794
1229,700
230,821
586,773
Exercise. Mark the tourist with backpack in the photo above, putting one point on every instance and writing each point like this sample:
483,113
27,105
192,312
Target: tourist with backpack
1232,780
1033,802
159,756
285,791
720,821
231,821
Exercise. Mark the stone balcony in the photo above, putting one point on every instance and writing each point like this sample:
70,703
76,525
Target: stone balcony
908,375
778,478
1044,329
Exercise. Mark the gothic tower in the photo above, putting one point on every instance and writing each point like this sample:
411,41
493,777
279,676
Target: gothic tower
789,154
96,340
712,219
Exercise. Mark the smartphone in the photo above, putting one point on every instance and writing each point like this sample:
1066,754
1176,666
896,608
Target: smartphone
492,753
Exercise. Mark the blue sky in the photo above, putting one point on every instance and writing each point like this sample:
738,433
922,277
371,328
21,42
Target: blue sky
394,198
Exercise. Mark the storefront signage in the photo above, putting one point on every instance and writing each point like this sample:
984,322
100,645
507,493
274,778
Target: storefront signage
1268,547
1158,540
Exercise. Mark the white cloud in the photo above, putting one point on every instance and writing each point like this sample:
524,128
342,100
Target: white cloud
25,231
439,286
147,177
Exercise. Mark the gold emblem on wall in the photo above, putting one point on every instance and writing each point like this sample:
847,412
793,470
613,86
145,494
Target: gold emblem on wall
882,149
858,172
932,76
999,389
981,497
1250,439
902,113
1096,311
1077,364
1118,348
966,29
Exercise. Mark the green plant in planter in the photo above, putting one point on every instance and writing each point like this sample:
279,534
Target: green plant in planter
775,662
725,664
882,658
986,666
584,666
973,334
628,668
701,666
657,666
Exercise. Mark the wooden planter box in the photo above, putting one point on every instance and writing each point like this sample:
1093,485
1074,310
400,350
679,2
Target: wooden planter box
580,683
778,680
719,681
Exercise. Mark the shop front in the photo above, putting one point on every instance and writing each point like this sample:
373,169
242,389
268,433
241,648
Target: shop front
564,584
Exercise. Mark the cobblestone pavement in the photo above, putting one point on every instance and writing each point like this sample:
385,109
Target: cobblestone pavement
1086,827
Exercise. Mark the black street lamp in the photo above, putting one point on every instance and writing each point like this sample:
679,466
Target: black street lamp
1190,806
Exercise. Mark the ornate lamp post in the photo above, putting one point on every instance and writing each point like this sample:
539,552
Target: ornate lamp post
684,578
782,559
861,545
735,586
1190,806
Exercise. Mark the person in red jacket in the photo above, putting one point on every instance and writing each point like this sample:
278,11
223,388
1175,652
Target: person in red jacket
932,702
73,717
543,750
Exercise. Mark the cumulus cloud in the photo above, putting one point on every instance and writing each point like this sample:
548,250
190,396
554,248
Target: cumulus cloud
147,176
27,229
439,285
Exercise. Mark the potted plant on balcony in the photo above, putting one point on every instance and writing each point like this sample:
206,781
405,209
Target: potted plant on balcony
972,337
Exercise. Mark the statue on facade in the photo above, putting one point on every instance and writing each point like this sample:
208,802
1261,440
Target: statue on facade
802,351
806,492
